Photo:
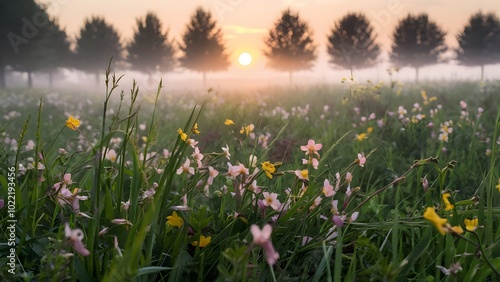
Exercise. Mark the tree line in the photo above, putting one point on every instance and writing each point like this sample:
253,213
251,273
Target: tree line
32,41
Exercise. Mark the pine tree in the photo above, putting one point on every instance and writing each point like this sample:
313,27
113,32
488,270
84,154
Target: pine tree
351,43
290,45
150,51
202,45
96,44
479,42
417,42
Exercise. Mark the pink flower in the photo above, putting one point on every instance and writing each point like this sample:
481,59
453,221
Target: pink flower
361,160
311,148
186,168
212,173
226,152
197,156
75,239
236,170
313,161
271,200
328,188
263,238
254,188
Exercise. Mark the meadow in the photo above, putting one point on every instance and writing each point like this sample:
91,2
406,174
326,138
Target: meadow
356,181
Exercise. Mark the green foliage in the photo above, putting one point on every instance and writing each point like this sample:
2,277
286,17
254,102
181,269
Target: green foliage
127,171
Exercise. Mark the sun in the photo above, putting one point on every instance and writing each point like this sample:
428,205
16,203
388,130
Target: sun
245,59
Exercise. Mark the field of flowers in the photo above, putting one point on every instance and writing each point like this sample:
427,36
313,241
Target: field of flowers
363,181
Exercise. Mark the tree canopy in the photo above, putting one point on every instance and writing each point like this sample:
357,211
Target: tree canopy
479,42
417,42
351,43
150,49
96,44
290,46
202,45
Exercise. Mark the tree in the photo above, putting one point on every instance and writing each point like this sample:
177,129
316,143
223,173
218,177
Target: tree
16,30
417,42
150,50
351,43
202,45
96,44
290,46
479,42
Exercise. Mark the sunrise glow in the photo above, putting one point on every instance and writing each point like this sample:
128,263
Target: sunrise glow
245,59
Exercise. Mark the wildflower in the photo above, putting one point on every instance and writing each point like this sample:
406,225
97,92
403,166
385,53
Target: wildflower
197,156
247,129
311,148
182,134
431,215
452,270
195,129
73,123
338,220
316,203
471,224
121,221
192,143
443,137
302,174
448,206
229,122
142,126
328,189
269,169
175,220
271,200
263,238
401,111
361,137
361,160
498,185
125,205
226,152
204,241
425,184
111,155
236,170
186,168
75,239
252,161
254,188
212,173
312,161
353,217
369,130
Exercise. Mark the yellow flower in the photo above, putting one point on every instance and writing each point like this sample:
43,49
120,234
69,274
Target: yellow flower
72,123
361,137
447,205
175,220
269,169
433,98
471,224
431,215
182,134
457,229
195,129
204,241
247,129
369,130
498,185
229,122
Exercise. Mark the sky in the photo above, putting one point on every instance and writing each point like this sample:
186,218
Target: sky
246,22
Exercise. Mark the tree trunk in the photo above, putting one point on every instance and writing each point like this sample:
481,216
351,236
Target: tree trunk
2,77
204,79
51,78
482,72
30,80
416,74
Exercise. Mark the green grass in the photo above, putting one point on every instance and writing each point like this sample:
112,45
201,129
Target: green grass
389,240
